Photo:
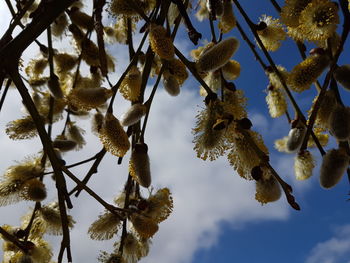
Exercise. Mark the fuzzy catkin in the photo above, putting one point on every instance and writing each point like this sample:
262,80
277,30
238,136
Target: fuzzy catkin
342,75
267,190
295,138
133,114
303,165
334,165
218,55
139,165
339,122
160,42
171,85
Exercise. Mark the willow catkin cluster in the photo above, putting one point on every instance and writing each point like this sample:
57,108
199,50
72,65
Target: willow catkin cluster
139,165
307,72
272,33
290,12
160,42
334,164
113,136
339,122
217,56
304,163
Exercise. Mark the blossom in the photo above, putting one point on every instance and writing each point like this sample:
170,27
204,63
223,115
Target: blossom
272,34
267,190
303,165
276,102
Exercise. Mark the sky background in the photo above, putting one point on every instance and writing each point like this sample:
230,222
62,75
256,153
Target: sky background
215,218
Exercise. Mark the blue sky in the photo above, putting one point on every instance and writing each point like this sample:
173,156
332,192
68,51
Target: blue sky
216,218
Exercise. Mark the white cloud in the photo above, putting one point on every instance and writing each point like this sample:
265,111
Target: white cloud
333,250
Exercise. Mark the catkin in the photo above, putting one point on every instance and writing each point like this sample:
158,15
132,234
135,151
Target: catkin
339,122
342,75
218,55
334,165
139,165
133,114
160,42
295,138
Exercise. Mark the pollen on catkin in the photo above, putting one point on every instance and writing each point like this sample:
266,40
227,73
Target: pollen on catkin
218,55
319,20
21,129
105,227
133,114
131,84
89,98
231,70
290,12
34,190
59,25
339,122
227,20
144,226
273,77
307,72
160,205
113,136
334,164
342,75
160,42
273,34
276,102
139,165
178,69
267,191
304,163
64,62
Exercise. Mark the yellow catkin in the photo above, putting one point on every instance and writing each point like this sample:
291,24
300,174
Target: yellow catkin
139,165
273,34
334,165
160,205
160,42
217,56
304,163
307,72
123,7
290,12
133,114
231,70
21,129
171,84
81,19
144,226
89,98
178,69
131,85
276,102
267,191
281,144
34,190
105,227
64,62
113,136
319,19
228,20
59,25
273,77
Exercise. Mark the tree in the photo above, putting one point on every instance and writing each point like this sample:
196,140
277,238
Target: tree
60,93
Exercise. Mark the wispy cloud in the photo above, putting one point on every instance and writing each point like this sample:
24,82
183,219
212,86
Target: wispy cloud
333,250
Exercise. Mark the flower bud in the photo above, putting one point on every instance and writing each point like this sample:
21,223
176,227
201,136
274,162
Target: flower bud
303,165
228,19
133,114
295,138
139,165
342,75
218,55
334,165
64,145
339,122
